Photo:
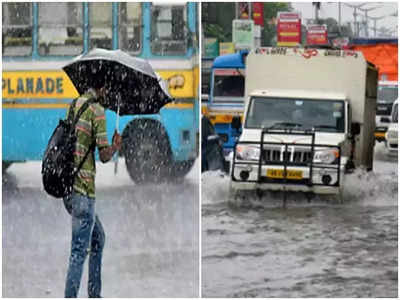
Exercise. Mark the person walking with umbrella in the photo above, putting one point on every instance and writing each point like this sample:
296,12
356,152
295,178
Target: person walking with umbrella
87,231
128,86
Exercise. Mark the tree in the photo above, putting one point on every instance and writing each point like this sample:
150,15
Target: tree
217,20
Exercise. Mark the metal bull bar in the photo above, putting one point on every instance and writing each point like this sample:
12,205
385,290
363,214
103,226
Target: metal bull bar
287,158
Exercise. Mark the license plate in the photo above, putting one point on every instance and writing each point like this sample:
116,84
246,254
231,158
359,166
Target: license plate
380,134
290,174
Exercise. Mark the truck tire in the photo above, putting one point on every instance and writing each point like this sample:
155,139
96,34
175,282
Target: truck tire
147,151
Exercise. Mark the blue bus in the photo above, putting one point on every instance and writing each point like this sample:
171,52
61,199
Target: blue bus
41,37
226,98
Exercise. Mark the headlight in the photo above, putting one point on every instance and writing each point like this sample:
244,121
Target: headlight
327,156
248,152
391,135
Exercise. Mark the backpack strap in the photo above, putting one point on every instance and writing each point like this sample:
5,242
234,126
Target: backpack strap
75,121
71,110
81,110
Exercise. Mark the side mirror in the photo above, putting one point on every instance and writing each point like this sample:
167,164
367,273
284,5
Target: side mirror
236,123
355,128
212,138
385,120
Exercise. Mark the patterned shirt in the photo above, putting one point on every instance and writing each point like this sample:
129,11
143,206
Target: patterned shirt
90,127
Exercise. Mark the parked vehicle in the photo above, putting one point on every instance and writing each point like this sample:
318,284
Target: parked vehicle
226,99
36,92
382,52
387,94
309,119
391,136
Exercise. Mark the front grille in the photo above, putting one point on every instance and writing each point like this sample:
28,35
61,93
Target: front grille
384,109
293,155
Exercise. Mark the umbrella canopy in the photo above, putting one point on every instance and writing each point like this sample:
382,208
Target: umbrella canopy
131,83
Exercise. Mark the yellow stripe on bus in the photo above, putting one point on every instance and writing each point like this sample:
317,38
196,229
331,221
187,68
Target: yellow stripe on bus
222,119
57,85
179,105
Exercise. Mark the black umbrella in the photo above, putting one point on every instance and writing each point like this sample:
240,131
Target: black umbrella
132,86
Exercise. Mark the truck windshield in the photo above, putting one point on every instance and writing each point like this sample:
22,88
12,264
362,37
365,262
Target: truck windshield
387,93
228,85
301,114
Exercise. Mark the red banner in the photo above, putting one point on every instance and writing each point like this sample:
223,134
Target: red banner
258,13
317,35
289,29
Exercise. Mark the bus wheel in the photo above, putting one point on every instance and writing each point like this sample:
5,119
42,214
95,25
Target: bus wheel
5,165
181,168
147,151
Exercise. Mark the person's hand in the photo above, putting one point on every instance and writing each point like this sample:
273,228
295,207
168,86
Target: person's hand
116,141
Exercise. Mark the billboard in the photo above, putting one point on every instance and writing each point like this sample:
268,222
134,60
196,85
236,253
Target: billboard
243,34
289,29
226,48
317,34
210,47
258,13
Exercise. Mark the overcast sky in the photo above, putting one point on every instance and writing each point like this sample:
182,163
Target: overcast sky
331,9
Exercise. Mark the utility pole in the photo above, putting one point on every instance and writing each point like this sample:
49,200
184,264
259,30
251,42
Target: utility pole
317,6
340,18
375,19
366,10
355,7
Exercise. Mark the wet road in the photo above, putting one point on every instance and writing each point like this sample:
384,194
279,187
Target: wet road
316,249
151,236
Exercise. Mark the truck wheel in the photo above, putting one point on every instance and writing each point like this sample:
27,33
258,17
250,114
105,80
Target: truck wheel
147,151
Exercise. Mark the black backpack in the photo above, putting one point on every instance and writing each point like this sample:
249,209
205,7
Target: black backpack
58,169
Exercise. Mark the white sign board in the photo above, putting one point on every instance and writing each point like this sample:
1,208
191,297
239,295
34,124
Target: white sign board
243,34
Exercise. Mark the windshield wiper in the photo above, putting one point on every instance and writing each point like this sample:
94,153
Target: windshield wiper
284,125
324,127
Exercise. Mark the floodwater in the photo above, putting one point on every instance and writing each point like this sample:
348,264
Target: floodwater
318,249
151,245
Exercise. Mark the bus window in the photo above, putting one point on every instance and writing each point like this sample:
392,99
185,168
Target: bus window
17,29
100,25
61,35
169,29
130,32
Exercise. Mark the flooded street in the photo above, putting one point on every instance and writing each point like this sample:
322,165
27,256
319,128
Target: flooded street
316,249
151,247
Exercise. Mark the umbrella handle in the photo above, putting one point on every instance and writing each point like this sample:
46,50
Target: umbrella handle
116,153
117,121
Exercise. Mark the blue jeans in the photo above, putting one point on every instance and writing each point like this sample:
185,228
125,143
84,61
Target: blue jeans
87,237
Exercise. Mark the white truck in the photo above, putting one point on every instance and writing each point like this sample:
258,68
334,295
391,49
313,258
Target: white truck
309,117
391,135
